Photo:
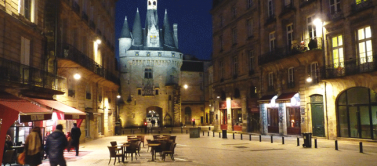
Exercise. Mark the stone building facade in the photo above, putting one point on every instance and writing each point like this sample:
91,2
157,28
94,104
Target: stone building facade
316,65
150,71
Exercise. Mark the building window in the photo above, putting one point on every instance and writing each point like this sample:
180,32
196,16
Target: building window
251,60
253,91
221,43
364,37
25,51
88,91
270,8
293,117
314,71
337,51
27,8
249,3
100,95
287,2
136,53
334,6
291,80
148,73
360,1
235,65
222,69
270,79
234,11
71,88
249,25
289,35
87,125
234,36
272,41
311,28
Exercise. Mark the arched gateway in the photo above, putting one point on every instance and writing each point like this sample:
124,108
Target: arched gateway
154,113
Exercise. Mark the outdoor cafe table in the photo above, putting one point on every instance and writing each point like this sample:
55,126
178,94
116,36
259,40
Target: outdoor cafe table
124,149
18,149
153,146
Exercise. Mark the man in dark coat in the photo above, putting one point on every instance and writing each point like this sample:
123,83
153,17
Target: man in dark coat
75,135
55,145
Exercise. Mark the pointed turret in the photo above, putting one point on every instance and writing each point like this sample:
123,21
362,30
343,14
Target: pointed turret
168,36
137,31
125,30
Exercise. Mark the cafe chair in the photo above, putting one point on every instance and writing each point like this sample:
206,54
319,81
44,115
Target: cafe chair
113,153
9,156
114,143
142,138
173,138
138,147
131,149
148,142
162,147
171,152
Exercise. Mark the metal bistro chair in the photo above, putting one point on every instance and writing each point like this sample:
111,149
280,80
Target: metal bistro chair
114,143
8,157
138,147
173,138
142,138
113,153
171,152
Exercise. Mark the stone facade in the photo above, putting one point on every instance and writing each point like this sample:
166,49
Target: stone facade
310,55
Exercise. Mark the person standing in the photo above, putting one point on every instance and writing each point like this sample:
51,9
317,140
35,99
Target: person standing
153,122
34,148
75,136
55,145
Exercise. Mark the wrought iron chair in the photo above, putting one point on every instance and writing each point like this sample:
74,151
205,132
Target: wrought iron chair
170,151
113,153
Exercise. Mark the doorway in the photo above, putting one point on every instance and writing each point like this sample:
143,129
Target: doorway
273,120
253,122
318,118
188,116
154,115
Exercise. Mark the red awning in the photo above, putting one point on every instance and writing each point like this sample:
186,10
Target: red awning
69,112
28,111
266,99
285,97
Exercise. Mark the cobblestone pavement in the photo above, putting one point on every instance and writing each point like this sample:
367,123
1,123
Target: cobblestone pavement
209,150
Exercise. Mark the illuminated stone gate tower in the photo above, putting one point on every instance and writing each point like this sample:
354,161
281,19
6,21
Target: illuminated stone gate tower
150,71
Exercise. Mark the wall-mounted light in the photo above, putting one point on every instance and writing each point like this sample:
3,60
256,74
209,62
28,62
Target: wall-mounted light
118,96
77,76
309,79
218,97
185,86
98,41
317,22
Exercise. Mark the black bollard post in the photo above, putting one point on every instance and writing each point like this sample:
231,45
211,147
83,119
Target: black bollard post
241,136
315,143
260,138
208,133
209,128
233,135
203,133
336,144
249,137
213,133
219,135
361,147
282,140
298,141
272,139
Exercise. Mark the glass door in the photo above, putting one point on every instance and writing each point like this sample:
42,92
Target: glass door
364,122
353,122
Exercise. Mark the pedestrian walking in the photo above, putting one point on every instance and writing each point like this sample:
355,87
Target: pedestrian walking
55,145
75,136
34,147
153,122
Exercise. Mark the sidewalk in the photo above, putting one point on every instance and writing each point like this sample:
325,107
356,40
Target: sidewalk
209,150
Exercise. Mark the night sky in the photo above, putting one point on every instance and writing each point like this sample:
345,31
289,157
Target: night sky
192,16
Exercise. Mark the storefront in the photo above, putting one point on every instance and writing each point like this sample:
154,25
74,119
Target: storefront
357,113
289,103
223,116
269,114
236,114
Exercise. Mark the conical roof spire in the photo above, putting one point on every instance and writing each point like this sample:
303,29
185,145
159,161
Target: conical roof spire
137,30
168,36
125,30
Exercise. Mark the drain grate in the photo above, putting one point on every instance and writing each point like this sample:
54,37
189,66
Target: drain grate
240,147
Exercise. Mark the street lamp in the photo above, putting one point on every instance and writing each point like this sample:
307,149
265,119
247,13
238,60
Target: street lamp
77,76
98,41
309,79
118,96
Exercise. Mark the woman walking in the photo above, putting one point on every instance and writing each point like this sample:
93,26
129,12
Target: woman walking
34,148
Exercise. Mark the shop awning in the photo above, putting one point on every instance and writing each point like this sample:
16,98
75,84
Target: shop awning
69,112
285,97
28,111
266,99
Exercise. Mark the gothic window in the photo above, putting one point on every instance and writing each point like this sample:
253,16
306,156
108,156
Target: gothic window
148,73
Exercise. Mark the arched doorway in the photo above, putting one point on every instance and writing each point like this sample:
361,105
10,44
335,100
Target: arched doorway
154,114
318,120
187,115
168,120
357,113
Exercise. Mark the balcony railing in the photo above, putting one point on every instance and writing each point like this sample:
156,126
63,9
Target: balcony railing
287,8
72,53
350,67
270,19
361,6
335,16
15,72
